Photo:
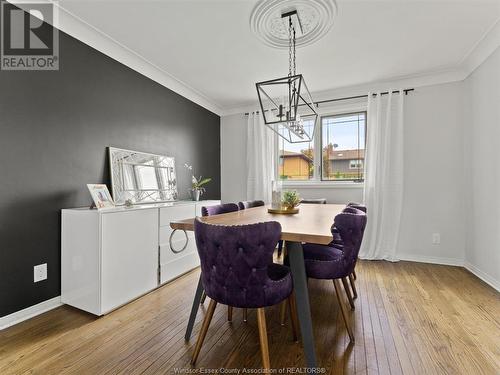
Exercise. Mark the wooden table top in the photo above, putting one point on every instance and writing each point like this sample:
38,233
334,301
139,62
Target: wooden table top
311,224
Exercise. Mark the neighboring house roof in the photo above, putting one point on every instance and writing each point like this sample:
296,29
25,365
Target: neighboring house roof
347,155
290,154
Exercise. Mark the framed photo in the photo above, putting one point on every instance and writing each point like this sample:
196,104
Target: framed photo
100,195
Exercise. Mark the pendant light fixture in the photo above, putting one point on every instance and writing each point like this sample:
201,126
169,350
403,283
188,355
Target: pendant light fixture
286,103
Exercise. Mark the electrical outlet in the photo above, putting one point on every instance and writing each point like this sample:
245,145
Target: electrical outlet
40,272
436,238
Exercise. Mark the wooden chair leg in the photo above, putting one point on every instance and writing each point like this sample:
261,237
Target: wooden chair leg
245,315
353,287
292,305
203,297
348,292
280,248
354,274
230,313
203,331
264,348
283,313
342,309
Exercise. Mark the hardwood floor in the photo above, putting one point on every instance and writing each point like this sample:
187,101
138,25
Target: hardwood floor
410,318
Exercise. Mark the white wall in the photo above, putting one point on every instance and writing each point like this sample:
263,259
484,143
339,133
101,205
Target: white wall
482,145
342,193
233,140
434,192
233,168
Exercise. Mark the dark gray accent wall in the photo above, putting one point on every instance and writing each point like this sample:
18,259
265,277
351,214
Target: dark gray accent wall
54,130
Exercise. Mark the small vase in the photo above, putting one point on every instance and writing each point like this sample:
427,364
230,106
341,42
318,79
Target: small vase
276,194
195,194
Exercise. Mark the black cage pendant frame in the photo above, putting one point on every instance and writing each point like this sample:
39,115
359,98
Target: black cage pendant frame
286,122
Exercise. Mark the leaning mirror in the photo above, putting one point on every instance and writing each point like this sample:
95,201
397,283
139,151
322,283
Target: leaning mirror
141,177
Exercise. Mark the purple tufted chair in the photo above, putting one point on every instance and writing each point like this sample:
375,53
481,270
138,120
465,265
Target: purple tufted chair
237,270
348,208
258,203
337,242
358,206
306,201
334,263
250,204
280,245
219,209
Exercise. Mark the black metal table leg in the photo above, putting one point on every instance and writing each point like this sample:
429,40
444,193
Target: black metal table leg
194,309
296,257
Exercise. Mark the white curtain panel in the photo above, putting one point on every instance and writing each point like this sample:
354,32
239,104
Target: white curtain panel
260,158
383,189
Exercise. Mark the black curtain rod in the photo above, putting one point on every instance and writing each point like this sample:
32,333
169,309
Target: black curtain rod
406,91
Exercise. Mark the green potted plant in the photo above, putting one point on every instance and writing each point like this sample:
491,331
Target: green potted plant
197,184
290,200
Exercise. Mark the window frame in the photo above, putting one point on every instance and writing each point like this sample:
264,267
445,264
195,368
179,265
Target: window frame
316,181
354,180
277,143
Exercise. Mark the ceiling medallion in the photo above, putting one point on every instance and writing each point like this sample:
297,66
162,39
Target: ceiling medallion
316,17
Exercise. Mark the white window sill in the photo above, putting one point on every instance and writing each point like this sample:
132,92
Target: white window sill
323,185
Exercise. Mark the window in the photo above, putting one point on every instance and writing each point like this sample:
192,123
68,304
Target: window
296,160
337,152
343,147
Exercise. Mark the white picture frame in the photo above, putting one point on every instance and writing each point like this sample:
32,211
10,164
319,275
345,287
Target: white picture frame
101,196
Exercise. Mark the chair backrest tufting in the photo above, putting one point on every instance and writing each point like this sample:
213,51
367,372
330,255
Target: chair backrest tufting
352,210
350,225
347,209
250,204
359,206
219,209
235,261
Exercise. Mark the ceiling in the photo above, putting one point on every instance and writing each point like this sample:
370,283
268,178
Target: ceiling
208,45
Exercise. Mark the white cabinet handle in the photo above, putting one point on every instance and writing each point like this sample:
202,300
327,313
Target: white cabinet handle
170,242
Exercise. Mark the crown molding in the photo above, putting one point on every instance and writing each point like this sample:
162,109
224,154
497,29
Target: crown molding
97,39
484,47
81,30
444,75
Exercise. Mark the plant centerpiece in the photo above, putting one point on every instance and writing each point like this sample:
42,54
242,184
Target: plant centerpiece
197,184
290,200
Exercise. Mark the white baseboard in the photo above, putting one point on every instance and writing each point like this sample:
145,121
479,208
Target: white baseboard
495,284
29,312
434,260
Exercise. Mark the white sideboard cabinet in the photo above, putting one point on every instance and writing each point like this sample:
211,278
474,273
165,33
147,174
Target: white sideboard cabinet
110,257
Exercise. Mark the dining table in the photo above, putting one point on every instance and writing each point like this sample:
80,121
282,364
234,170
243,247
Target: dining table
311,224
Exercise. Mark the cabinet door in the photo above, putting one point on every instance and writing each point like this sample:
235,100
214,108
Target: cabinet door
177,249
129,252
